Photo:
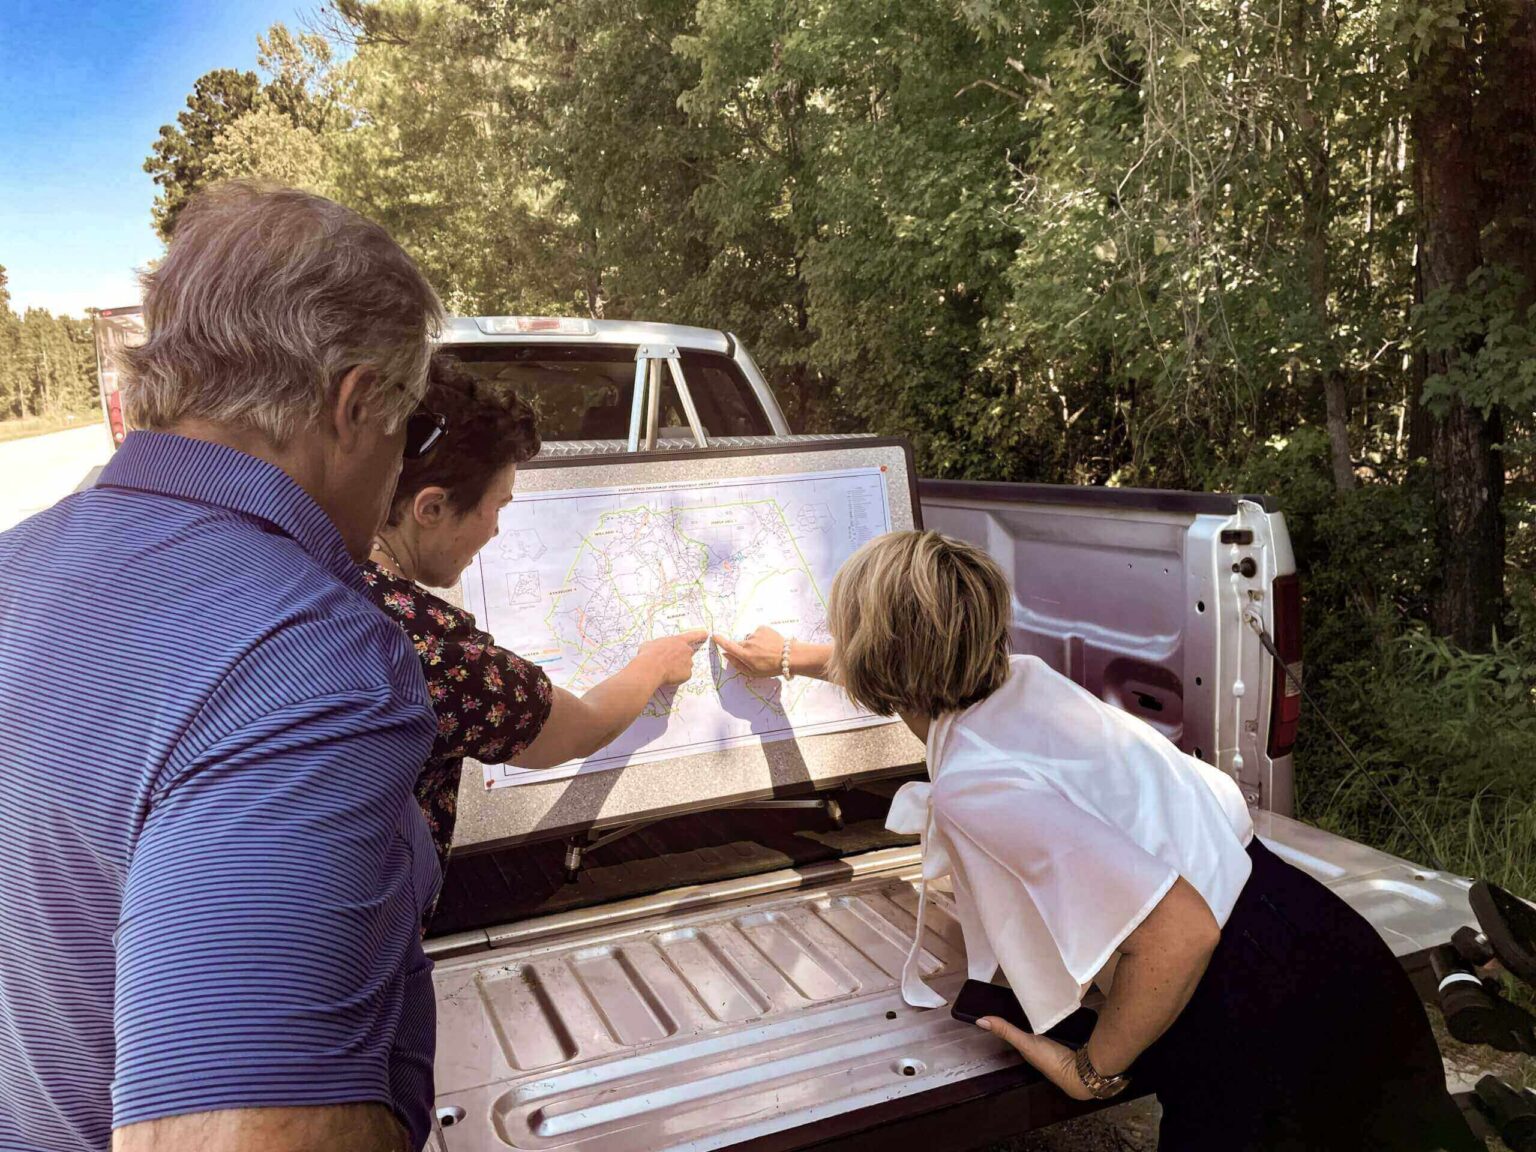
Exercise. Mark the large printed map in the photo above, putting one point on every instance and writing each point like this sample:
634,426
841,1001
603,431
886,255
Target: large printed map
577,580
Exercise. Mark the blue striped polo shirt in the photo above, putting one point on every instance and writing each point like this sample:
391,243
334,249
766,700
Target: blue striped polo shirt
212,866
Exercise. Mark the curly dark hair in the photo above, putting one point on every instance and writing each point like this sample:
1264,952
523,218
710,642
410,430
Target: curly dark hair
488,427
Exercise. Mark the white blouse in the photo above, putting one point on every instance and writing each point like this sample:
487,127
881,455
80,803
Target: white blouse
1062,821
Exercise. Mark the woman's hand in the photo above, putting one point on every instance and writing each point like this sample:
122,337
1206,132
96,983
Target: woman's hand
1056,1062
759,655
579,725
672,656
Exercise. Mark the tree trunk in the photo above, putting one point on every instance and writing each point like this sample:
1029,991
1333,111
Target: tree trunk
1316,209
1507,132
1469,529
1336,398
592,274
1418,416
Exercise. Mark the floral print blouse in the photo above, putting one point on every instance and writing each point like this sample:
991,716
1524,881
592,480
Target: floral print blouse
490,703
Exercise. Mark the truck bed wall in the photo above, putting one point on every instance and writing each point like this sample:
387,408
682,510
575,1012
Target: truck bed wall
1122,591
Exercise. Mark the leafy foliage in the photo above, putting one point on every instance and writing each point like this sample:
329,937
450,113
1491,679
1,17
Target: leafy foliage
1452,736
47,362
179,160
1489,334
1084,241
236,125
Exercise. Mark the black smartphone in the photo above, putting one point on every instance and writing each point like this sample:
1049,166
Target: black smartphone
978,998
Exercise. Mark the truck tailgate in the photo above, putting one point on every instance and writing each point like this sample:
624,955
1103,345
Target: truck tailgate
703,1029
767,1010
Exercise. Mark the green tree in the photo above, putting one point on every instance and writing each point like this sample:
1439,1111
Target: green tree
235,124
265,143
47,362
869,152
623,162
178,160
1474,127
12,391
437,153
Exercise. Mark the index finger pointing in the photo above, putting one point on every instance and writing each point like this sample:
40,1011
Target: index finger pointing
729,647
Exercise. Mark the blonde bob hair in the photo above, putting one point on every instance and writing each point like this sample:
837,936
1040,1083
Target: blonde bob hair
919,625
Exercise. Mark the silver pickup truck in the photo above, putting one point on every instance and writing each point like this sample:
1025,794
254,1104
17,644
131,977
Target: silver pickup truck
726,977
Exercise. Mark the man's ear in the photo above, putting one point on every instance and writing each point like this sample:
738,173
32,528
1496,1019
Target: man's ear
430,506
354,405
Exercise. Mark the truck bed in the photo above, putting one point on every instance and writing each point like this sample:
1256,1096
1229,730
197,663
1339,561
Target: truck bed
708,987
764,1011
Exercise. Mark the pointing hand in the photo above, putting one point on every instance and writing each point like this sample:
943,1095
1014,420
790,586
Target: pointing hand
674,654
758,655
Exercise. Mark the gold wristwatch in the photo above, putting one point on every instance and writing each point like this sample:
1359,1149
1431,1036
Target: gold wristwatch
1100,1087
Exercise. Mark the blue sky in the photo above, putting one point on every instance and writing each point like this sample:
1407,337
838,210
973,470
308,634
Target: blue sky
84,89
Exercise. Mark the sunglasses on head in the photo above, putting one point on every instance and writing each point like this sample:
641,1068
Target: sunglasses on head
423,429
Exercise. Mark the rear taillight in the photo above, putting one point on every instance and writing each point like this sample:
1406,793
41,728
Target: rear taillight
1285,697
115,417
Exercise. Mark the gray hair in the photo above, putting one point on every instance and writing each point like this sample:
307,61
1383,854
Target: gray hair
266,298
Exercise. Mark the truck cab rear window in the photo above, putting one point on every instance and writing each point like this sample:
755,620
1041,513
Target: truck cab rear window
585,393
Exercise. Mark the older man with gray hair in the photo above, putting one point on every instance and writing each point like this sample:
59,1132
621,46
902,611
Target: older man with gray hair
212,867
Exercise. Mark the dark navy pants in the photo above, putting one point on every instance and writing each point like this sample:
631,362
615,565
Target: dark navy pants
1304,1034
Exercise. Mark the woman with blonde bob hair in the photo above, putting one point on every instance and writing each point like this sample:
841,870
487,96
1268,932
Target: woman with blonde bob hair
1084,848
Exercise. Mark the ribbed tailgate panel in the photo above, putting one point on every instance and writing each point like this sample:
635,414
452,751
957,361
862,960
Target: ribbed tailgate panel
701,1031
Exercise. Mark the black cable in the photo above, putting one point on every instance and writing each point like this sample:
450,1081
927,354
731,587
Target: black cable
1269,645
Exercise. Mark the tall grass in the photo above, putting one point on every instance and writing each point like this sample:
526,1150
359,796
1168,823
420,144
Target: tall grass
1450,736
1486,837
19,429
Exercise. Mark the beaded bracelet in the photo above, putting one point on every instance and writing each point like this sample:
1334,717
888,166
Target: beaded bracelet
784,661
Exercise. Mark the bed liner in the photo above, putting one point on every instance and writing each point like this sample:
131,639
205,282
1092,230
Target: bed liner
765,1011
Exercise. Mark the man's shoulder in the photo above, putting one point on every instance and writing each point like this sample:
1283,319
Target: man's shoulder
341,643
231,594
311,639
316,634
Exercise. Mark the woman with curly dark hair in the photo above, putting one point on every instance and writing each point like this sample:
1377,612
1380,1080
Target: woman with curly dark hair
491,703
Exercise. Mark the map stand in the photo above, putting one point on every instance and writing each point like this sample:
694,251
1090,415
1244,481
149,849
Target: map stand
588,541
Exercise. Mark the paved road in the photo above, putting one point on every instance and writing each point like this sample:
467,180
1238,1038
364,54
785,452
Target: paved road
37,471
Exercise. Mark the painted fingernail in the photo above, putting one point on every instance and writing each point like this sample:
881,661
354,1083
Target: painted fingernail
984,1024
